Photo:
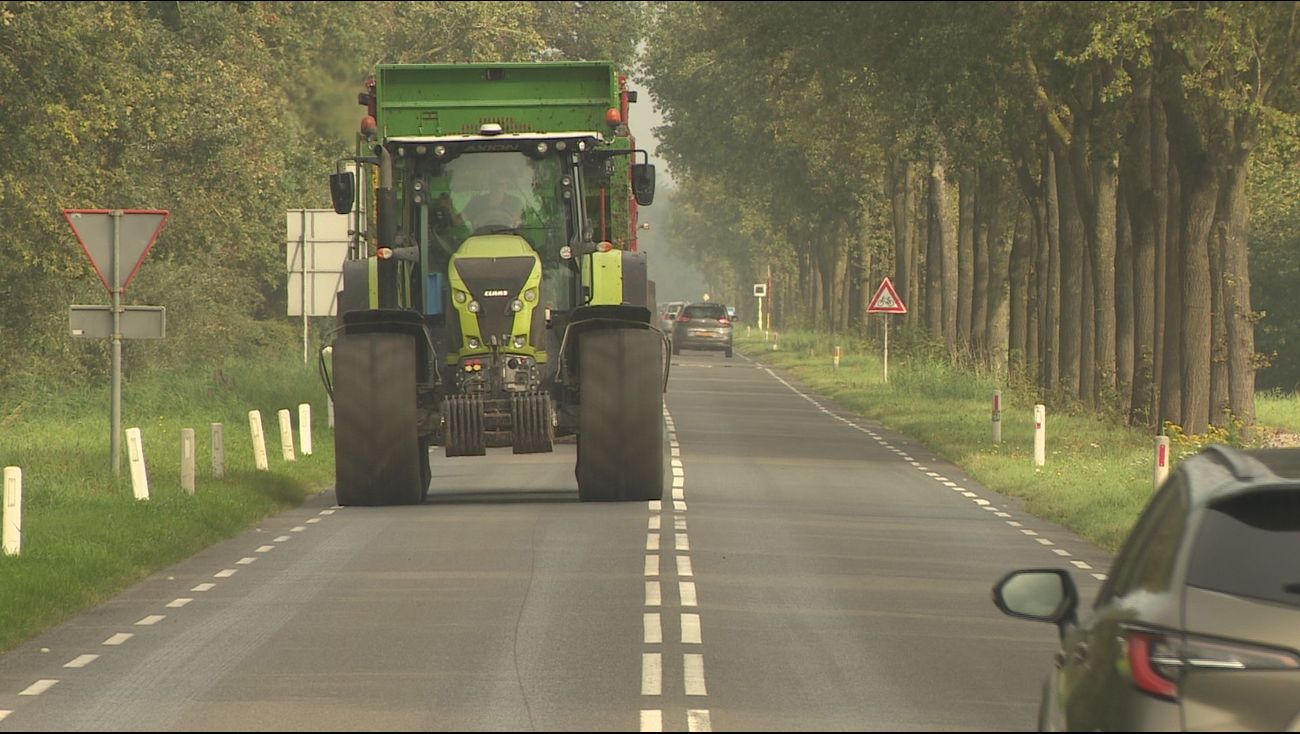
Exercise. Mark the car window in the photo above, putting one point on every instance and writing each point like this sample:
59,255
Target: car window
1147,559
705,312
1249,546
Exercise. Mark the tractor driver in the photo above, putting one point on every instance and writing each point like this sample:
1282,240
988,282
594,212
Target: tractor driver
496,207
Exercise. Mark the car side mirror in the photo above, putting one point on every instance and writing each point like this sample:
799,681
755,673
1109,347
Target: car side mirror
1043,595
342,191
643,183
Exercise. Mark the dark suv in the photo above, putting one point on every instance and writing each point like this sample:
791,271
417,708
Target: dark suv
702,326
1198,624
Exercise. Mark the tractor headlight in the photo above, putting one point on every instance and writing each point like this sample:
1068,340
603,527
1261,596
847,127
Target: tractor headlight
519,342
461,297
530,295
473,342
474,307
516,305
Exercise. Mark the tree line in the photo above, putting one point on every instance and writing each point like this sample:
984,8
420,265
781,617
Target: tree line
1061,192
227,114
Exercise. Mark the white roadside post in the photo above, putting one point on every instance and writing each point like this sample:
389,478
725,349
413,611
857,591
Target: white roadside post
135,456
1162,462
997,416
286,434
836,358
218,451
304,428
259,440
1040,434
13,511
187,460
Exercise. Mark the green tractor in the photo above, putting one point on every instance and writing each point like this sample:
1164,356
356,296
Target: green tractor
494,295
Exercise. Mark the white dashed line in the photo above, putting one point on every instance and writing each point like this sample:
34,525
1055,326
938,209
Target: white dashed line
204,587
1004,514
313,521
327,512
4,714
81,661
684,566
178,603
682,542
652,565
246,560
225,573
151,620
39,687
654,633
656,505
698,720
1062,552
1044,541
265,548
652,674
653,594
1082,565
686,590
691,629
679,493
1027,531
679,523
282,538
1099,576
693,671
654,522
298,529
117,639
1013,523
652,542
679,506
652,720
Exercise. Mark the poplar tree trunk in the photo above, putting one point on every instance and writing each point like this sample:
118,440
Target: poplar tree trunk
965,257
1072,267
1124,317
1105,186
1237,305
1141,208
1051,324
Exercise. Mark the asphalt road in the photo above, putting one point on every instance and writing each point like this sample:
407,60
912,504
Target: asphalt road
807,570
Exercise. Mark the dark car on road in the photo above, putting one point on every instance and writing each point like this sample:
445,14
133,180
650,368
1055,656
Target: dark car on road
702,326
1197,627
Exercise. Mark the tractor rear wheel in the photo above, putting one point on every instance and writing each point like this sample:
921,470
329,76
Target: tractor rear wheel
377,457
620,417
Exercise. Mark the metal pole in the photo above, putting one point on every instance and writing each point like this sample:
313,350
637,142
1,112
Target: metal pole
302,253
115,440
886,347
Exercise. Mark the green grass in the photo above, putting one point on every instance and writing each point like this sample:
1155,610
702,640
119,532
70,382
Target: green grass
1098,474
1278,410
85,538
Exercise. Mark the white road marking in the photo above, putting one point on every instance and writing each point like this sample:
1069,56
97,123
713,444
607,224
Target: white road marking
225,573
679,506
652,674
654,633
4,714
679,523
652,565
1099,576
652,720
1044,541
1082,564
686,589
683,542
677,472
39,687
653,594
151,620
990,508
118,639
684,566
1027,531
1013,523
282,538
265,548
693,665
204,587
677,463
81,661
679,493
327,512
656,505
980,502
1062,552
178,603
949,483
313,521
691,629
652,541
698,720
298,529
654,522
675,452
969,494
1004,514
246,560
679,482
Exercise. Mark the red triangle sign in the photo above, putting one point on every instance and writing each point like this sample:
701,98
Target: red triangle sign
135,234
886,300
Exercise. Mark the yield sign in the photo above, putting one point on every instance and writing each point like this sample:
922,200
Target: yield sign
886,300
136,234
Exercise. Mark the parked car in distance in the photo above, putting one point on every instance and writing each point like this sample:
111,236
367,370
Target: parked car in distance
1197,626
702,326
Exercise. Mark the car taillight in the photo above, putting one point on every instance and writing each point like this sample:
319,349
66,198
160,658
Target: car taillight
682,319
724,320
1159,660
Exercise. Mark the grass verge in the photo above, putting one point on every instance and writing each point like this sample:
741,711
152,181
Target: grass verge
84,536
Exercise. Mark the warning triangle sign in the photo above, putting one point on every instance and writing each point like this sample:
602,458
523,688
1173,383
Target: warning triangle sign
886,300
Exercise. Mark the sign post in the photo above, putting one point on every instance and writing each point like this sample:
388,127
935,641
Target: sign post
886,301
760,292
109,238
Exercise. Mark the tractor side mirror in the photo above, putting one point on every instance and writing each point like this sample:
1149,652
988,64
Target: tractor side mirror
342,191
643,183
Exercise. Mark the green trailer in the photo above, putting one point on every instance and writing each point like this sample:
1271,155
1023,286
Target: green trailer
494,295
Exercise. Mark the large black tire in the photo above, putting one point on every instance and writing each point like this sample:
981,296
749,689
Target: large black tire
377,457
620,418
